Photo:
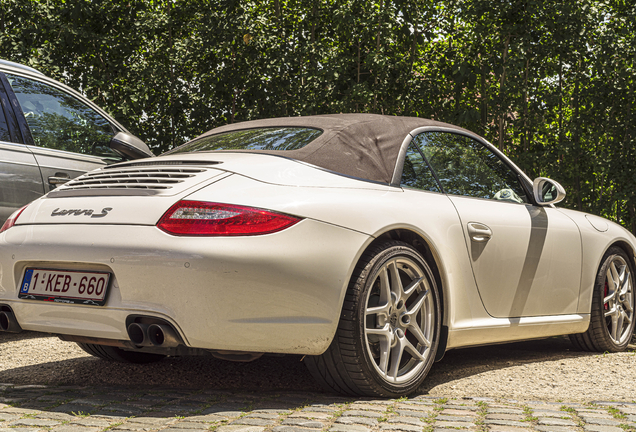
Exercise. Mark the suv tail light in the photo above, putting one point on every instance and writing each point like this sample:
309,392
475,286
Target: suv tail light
198,218
12,219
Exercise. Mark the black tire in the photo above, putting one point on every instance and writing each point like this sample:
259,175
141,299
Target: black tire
606,334
111,353
353,364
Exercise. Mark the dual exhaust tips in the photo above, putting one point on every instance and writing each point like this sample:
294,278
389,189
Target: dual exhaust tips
155,335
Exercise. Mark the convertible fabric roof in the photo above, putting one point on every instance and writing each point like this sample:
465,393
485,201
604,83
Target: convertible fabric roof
358,145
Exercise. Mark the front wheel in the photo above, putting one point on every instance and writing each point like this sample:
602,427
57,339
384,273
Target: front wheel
389,327
612,316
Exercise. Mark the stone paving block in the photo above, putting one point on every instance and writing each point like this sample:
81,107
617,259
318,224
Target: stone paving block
189,425
71,408
123,409
276,411
303,423
454,418
292,429
498,428
254,422
355,413
367,406
506,423
458,412
20,411
8,416
418,414
237,428
91,422
357,420
544,428
33,422
152,420
93,401
400,428
114,416
601,421
342,428
225,408
55,416
408,420
69,428
597,414
505,411
263,415
452,424
601,428
311,415
548,413
513,417
134,427
414,407
173,429
556,422
19,429
319,408
210,418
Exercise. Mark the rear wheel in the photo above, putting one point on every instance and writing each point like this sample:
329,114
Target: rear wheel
389,327
612,318
115,354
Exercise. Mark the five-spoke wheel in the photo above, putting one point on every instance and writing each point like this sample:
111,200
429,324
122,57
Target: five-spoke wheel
612,317
389,328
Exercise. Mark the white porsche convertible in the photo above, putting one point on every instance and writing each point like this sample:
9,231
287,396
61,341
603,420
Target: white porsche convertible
370,244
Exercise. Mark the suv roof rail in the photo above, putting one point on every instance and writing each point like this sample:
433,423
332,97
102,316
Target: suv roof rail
19,66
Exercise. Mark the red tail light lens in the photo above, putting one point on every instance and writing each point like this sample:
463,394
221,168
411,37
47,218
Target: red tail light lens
198,218
12,219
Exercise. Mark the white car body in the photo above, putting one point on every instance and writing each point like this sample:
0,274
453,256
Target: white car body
283,292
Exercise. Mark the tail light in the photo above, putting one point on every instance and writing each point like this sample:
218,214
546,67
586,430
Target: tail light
12,219
198,218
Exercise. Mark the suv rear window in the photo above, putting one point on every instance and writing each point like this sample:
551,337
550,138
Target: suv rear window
276,138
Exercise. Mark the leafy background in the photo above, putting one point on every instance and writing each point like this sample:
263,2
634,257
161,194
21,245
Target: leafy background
551,83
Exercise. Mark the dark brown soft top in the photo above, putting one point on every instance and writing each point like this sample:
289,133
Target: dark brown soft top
358,145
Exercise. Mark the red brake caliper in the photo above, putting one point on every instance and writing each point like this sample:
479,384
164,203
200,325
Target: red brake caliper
605,305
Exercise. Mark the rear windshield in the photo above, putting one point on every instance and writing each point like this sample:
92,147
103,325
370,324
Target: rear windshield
279,138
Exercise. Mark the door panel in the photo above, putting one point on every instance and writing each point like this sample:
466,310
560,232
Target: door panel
55,165
531,263
20,179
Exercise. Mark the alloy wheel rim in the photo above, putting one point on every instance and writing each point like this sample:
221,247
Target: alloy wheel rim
618,307
399,320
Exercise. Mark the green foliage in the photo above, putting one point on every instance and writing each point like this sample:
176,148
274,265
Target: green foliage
550,83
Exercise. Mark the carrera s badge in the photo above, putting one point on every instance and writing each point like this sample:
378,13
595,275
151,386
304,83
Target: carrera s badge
77,212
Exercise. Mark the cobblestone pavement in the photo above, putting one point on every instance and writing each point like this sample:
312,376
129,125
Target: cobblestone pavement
35,408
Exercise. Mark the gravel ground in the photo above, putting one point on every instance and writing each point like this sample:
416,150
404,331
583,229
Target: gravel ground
548,369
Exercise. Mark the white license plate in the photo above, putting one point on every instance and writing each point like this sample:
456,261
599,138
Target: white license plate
65,286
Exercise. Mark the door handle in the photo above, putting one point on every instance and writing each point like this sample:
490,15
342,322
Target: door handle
479,232
59,178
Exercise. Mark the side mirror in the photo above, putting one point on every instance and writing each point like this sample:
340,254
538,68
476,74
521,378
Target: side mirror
547,191
129,145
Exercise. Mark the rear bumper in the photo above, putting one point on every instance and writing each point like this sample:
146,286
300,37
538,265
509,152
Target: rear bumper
280,292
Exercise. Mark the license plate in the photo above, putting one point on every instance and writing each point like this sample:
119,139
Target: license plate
65,286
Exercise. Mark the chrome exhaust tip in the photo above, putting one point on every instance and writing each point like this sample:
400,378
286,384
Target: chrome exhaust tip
162,335
138,334
8,322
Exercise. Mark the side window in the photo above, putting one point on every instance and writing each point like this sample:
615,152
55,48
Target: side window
59,121
466,167
416,173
